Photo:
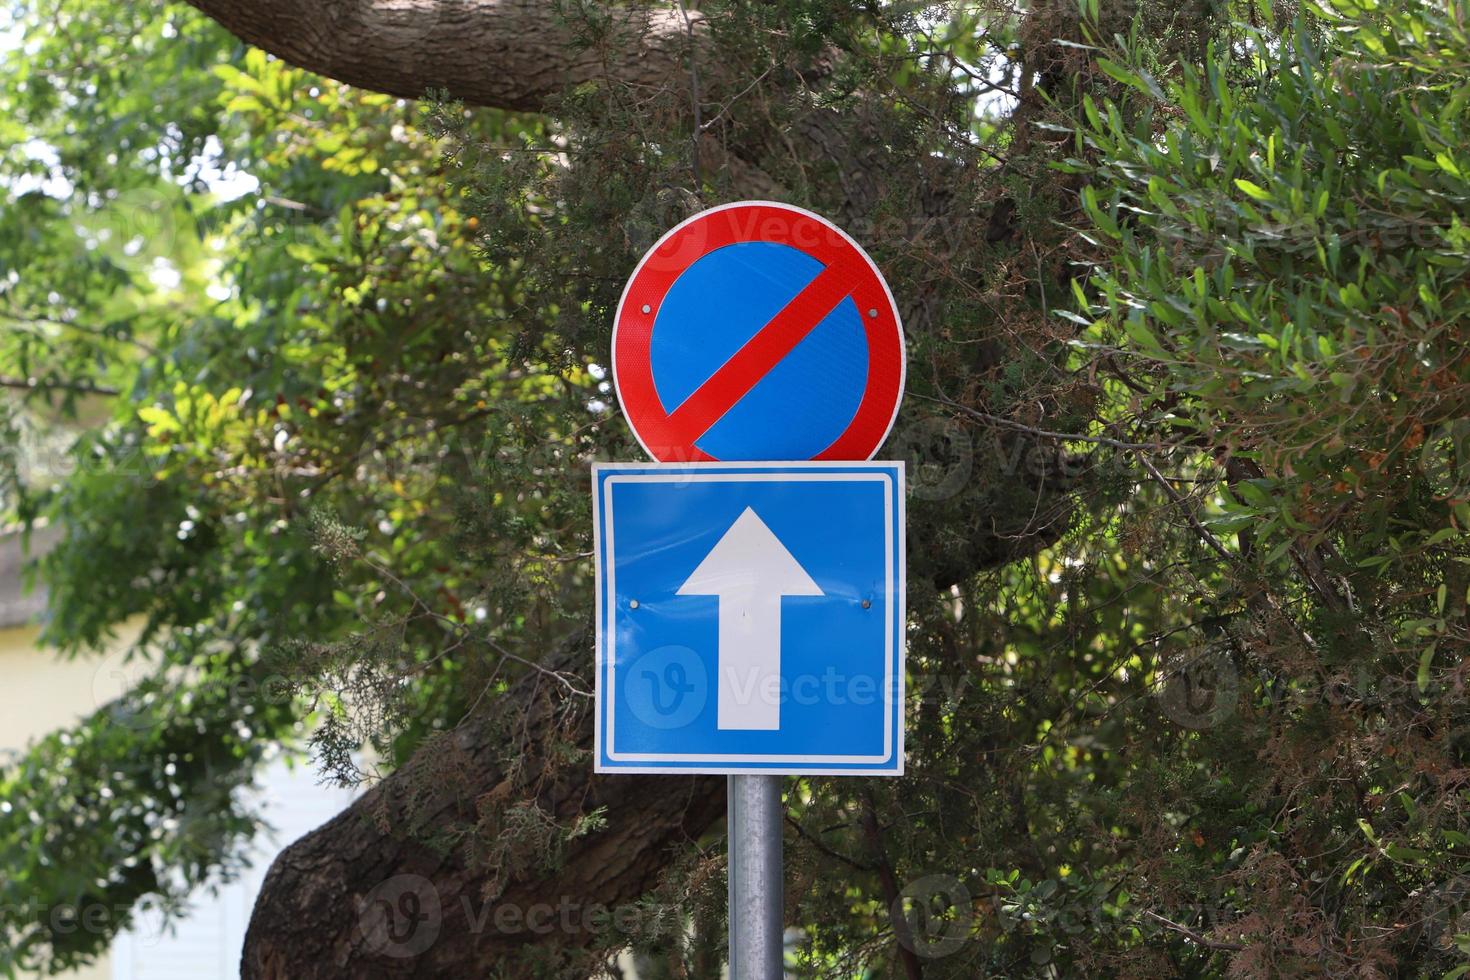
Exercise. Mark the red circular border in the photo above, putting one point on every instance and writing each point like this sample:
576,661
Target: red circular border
751,221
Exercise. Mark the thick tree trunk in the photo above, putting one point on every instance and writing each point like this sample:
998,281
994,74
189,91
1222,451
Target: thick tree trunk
441,871
512,54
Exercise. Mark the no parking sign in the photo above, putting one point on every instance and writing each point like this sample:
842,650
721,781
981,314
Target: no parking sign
758,331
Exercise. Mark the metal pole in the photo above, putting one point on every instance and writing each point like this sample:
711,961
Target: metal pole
755,878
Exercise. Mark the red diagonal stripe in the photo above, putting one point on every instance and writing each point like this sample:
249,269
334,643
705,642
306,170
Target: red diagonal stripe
745,368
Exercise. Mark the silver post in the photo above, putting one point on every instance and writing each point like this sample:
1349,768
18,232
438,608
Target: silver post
755,878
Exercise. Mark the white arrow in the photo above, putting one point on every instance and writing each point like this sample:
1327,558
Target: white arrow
750,570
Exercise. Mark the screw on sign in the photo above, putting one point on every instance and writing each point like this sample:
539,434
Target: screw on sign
758,331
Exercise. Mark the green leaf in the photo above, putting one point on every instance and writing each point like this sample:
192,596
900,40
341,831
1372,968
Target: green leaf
1090,109
1254,190
1422,678
1144,337
1408,854
1137,79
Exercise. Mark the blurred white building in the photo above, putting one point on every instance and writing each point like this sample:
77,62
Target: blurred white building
43,692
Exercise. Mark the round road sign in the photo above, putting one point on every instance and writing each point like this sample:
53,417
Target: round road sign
758,331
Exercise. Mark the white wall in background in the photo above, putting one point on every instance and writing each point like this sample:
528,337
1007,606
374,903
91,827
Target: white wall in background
206,945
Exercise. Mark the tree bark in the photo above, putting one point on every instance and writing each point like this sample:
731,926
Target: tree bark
439,870
511,54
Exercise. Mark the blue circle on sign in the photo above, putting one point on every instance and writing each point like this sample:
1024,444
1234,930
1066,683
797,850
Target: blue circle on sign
714,308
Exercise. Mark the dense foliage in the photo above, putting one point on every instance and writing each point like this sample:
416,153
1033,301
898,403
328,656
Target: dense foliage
1281,301
263,346
1184,291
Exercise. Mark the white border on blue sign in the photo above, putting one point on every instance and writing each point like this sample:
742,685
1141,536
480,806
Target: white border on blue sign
890,763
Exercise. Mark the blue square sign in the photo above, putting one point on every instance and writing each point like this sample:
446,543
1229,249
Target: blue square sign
750,617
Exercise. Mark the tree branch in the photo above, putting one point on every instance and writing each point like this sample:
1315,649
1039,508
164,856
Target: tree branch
38,384
903,936
510,54
1193,936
